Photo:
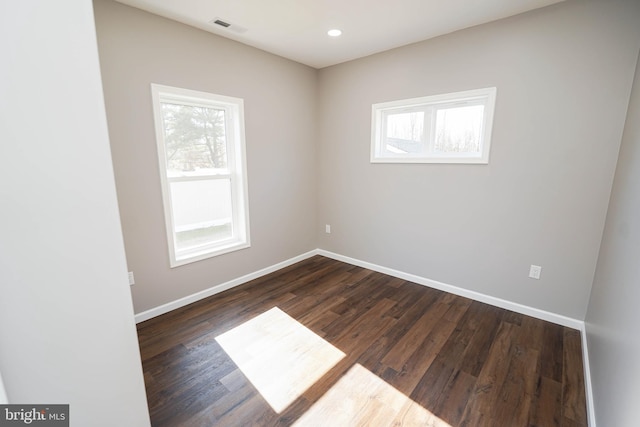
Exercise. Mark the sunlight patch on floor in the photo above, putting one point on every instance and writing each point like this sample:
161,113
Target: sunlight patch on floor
279,355
360,398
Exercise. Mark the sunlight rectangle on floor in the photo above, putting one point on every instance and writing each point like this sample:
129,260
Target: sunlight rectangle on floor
280,356
362,398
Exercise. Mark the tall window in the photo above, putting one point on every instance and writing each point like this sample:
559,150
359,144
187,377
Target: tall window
449,128
201,148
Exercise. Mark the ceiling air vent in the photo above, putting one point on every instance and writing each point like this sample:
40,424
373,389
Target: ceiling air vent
222,23
228,25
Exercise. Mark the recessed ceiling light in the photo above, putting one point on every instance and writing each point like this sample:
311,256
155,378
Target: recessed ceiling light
334,32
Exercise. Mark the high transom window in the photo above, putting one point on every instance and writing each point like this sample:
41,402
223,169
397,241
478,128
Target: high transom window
448,128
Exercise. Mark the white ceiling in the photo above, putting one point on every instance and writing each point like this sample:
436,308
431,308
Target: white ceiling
297,29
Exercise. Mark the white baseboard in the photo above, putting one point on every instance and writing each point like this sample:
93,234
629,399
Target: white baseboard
165,308
587,376
476,296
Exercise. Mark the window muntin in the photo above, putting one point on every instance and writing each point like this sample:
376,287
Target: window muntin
200,139
449,128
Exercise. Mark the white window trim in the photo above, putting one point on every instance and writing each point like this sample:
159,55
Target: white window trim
237,170
485,96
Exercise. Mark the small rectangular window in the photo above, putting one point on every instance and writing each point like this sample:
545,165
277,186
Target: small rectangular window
201,150
449,128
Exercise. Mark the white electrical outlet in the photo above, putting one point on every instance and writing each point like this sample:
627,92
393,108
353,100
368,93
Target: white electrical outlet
132,280
534,271
327,229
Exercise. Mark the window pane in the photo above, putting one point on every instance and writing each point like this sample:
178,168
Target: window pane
404,132
194,139
200,141
444,128
459,130
201,212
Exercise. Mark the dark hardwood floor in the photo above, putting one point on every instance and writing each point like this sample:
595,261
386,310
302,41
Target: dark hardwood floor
392,353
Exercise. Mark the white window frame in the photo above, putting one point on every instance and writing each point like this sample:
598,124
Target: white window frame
379,111
236,172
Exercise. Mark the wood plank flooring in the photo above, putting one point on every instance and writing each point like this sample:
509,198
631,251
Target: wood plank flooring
324,343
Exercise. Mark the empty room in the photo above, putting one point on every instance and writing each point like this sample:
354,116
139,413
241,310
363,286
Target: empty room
321,213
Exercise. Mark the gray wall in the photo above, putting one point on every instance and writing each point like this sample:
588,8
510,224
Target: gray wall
136,49
613,317
563,75
67,332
